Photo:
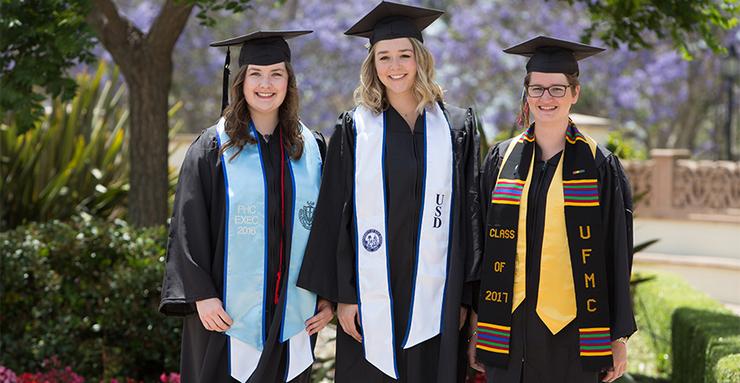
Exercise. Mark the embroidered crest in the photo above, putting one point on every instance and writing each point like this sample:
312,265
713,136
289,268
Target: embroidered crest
305,215
372,240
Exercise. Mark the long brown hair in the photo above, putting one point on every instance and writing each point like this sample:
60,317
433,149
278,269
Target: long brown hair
523,118
371,92
237,117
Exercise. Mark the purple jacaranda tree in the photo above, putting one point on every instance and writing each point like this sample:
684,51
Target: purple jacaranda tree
655,95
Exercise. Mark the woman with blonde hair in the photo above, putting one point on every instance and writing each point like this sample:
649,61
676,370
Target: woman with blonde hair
396,219
240,225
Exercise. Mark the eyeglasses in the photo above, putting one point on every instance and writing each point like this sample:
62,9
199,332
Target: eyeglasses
537,91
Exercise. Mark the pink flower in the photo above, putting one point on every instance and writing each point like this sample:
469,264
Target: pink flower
7,375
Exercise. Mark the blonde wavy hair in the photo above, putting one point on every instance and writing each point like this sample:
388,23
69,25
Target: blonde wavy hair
370,93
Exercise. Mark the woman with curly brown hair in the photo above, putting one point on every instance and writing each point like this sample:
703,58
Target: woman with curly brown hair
242,215
396,216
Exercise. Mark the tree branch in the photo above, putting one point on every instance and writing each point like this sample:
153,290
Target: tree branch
168,26
117,34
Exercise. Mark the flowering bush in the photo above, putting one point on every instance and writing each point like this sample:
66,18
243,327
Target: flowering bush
88,292
172,377
53,373
7,375
56,374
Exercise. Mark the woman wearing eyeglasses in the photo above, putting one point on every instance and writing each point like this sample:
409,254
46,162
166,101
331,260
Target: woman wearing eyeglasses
554,303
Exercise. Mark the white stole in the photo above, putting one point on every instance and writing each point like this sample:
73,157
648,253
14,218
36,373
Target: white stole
430,275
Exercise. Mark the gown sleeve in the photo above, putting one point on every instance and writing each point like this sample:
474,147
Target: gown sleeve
488,174
328,266
616,202
473,200
187,277
472,217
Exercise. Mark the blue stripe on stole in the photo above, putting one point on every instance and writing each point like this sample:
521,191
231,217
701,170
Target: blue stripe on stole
387,255
507,190
226,247
267,225
418,233
494,338
449,236
585,192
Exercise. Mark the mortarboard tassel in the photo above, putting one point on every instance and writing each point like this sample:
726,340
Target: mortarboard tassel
225,94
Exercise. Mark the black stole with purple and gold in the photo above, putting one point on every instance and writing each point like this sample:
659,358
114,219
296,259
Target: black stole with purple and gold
502,286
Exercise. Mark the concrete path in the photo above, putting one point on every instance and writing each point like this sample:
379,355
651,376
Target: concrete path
718,277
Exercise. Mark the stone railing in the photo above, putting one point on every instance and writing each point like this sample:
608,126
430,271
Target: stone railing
671,186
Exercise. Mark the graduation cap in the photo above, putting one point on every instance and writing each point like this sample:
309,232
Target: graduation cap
550,55
258,48
389,20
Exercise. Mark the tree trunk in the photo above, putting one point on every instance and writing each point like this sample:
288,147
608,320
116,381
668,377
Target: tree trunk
691,119
146,63
148,88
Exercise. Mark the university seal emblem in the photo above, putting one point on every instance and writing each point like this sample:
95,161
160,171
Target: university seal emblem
372,240
305,215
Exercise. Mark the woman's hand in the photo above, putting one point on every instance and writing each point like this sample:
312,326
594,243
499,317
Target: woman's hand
619,355
347,314
317,322
212,315
472,340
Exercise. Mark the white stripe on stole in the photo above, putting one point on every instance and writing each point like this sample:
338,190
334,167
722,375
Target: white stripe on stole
374,298
245,256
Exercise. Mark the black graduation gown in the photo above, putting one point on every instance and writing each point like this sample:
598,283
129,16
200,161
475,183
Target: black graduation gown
329,265
195,262
536,355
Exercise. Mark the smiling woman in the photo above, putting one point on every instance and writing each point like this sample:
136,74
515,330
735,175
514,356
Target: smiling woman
279,92
556,86
265,87
554,303
239,229
399,222
405,67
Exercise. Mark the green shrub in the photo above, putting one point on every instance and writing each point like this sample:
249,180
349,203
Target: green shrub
727,370
87,292
656,300
624,147
688,331
701,337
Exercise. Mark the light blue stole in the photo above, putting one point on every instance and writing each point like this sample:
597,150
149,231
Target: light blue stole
245,254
